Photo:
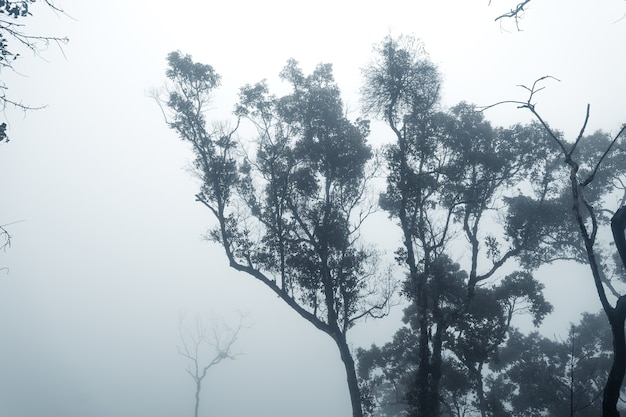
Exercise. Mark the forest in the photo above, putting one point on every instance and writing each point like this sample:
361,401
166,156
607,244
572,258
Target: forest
302,186
290,180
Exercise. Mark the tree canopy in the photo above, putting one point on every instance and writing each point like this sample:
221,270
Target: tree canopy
290,208
479,209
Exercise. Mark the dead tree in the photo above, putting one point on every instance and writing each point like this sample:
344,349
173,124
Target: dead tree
199,342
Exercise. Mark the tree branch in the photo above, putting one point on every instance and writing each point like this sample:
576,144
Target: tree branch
514,13
618,224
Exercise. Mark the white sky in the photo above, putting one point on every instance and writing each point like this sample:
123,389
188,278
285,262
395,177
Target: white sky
108,250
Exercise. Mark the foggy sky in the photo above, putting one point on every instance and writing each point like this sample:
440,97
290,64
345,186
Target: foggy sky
107,242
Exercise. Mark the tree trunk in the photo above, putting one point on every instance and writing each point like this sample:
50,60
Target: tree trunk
618,368
353,382
420,391
480,390
198,388
616,318
423,369
434,401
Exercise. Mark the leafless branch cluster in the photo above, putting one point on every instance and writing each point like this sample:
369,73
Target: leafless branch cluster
5,241
219,338
5,238
516,13
200,343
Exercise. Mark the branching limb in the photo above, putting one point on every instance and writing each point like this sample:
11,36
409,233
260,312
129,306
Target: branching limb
528,104
5,238
606,152
618,226
12,33
515,13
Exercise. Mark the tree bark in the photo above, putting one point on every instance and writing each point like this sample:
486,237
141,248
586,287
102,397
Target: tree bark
617,316
434,401
353,382
618,368
198,388
480,389
423,369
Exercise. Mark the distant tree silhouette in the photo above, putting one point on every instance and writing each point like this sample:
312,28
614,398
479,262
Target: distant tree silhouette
204,348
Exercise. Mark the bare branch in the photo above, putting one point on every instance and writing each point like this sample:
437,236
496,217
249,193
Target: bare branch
12,34
6,238
519,104
580,134
606,152
528,104
515,13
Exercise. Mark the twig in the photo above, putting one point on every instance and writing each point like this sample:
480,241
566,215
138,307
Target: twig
514,13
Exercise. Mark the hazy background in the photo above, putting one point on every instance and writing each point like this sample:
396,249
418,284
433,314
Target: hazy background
107,250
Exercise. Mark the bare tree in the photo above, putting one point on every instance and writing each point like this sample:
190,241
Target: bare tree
206,347
591,179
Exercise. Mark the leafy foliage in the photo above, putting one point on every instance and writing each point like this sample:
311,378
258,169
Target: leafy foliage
529,375
451,175
567,377
469,344
470,199
289,211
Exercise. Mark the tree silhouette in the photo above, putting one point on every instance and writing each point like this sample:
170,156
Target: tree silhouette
595,172
199,343
289,210
448,173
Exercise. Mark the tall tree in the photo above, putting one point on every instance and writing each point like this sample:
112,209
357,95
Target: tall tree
289,210
448,174
594,189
